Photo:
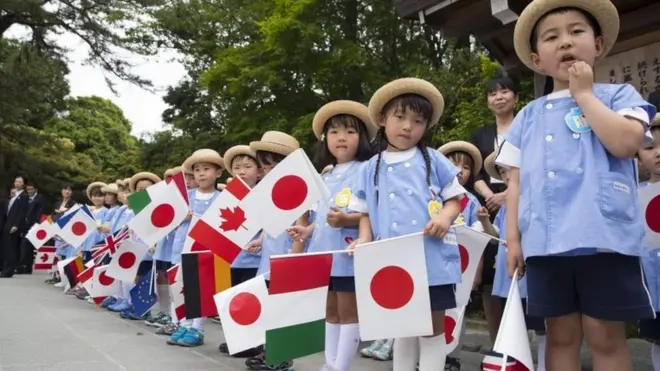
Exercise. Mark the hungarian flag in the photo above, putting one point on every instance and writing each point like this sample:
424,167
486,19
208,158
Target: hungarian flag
471,245
649,198
158,209
224,228
391,286
103,285
76,226
204,275
287,192
126,261
296,306
40,233
110,245
72,269
242,311
45,258
175,280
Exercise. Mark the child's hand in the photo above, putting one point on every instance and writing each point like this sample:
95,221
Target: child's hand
514,259
188,216
580,79
299,233
438,226
336,217
483,214
253,246
351,247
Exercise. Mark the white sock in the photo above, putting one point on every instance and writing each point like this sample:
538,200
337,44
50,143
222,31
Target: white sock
187,323
331,342
405,353
163,293
432,353
127,286
349,340
655,356
540,356
198,324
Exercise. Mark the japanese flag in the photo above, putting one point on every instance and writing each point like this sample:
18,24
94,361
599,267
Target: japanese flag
125,262
103,285
175,279
45,258
471,245
77,226
453,327
391,286
40,233
241,309
649,198
288,191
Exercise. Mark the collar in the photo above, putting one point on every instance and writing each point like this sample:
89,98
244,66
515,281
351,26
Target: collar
561,94
399,156
341,168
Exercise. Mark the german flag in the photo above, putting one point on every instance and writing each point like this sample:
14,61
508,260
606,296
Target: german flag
73,269
204,275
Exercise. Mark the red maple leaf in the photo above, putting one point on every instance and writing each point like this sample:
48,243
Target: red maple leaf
232,219
44,257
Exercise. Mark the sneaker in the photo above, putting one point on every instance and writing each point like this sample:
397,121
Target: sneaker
177,335
452,364
168,329
126,314
327,368
151,321
284,366
255,363
110,300
120,306
384,353
163,321
192,338
52,280
216,319
81,293
369,351
223,348
135,317
59,284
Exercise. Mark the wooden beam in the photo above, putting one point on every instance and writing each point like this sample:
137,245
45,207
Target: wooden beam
410,8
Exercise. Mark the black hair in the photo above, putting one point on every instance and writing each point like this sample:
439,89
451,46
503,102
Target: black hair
404,102
243,157
96,191
323,156
269,158
501,81
67,186
593,23
23,178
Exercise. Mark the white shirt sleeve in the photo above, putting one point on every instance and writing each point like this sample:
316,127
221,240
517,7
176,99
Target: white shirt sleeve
509,156
453,189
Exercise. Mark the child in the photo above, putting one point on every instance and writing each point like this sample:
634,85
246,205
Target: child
468,160
502,281
207,166
571,194
422,194
649,157
273,147
345,133
241,162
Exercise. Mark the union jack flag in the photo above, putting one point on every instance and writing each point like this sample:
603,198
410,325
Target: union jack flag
109,247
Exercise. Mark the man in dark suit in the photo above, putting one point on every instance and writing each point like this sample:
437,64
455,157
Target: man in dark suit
14,227
35,211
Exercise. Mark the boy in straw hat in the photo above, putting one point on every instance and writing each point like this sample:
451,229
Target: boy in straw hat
571,194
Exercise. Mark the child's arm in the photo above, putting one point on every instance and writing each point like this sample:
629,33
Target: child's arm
484,220
302,230
514,250
440,225
339,219
364,234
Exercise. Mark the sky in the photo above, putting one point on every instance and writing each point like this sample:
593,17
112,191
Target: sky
141,107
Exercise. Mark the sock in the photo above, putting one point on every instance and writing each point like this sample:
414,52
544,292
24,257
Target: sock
198,324
655,356
540,356
331,342
456,353
163,293
432,353
187,323
349,340
406,354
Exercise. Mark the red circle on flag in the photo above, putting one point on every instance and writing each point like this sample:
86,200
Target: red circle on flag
41,234
450,325
392,287
105,280
245,308
162,215
465,258
78,228
653,214
126,260
289,192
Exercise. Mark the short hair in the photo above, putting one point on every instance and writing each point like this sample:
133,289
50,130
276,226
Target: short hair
593,23
324,157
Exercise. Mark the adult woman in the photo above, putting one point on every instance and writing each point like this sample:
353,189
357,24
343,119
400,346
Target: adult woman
63,249
65,203
502,96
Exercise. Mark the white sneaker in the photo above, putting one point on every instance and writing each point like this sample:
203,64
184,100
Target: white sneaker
59,284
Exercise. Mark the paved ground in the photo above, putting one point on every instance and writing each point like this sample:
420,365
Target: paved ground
41,329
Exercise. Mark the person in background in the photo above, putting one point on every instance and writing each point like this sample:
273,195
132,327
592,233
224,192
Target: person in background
36,209
63,249
14,226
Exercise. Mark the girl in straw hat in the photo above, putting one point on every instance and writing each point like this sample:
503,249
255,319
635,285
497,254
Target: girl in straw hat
572,186
207,166
649,157
423,195
345,133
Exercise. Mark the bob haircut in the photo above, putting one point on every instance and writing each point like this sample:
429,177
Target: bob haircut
324,157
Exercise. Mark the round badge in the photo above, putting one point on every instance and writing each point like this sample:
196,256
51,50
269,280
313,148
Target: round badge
576,121
434,208
343,197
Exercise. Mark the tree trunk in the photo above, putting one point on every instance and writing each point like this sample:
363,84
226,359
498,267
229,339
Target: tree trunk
355,91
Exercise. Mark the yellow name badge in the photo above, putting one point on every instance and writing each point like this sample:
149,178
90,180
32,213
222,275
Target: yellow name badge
460,219
342,198
434,208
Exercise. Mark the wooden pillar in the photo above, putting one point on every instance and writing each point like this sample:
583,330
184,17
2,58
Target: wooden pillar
540,82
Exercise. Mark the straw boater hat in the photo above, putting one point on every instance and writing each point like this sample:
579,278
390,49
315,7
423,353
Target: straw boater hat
142,176
127,181
111,188
276,142
326,169
91,187
176,170
168,173
461,146
490,167
656,120
403,86
240,150
203,155
603,11
343,107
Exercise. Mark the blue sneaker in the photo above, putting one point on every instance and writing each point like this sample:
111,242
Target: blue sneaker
121,306
192,338
126,314
177,335
110,300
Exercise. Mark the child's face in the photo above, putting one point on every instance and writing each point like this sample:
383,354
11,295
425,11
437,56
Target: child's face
98,199
110,198
342,142
649,155
246,169
504,174
563,39
143,184
190,181
121,197
206,174
464,173
404,128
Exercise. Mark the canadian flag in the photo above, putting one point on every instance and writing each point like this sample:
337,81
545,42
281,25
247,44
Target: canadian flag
453,326
103,285
76,226
40,233
126,261
471,245
158,209
392,287
224,228
649,198
287,192
190,245
45,259
175,280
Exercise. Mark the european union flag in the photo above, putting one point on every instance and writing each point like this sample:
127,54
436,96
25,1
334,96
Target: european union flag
143,295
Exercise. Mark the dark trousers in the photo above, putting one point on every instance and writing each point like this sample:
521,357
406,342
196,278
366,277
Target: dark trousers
10,251
26,255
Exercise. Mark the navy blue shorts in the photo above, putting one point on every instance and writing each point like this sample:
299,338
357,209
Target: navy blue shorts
162,266
240,275
144,268
533,323
106,260
443,297
606,286
342,284
489,255
650,328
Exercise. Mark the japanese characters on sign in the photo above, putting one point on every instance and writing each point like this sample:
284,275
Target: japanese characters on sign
639,67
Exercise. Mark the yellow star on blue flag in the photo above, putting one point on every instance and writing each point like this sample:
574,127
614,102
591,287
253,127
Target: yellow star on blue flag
143,295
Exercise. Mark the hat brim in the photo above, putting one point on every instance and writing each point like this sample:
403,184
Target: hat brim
491,168
237,151
343,107
91,187
469,148
278,148
403,86
168,173
656,121
110,189
196,159
603,11
142,176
